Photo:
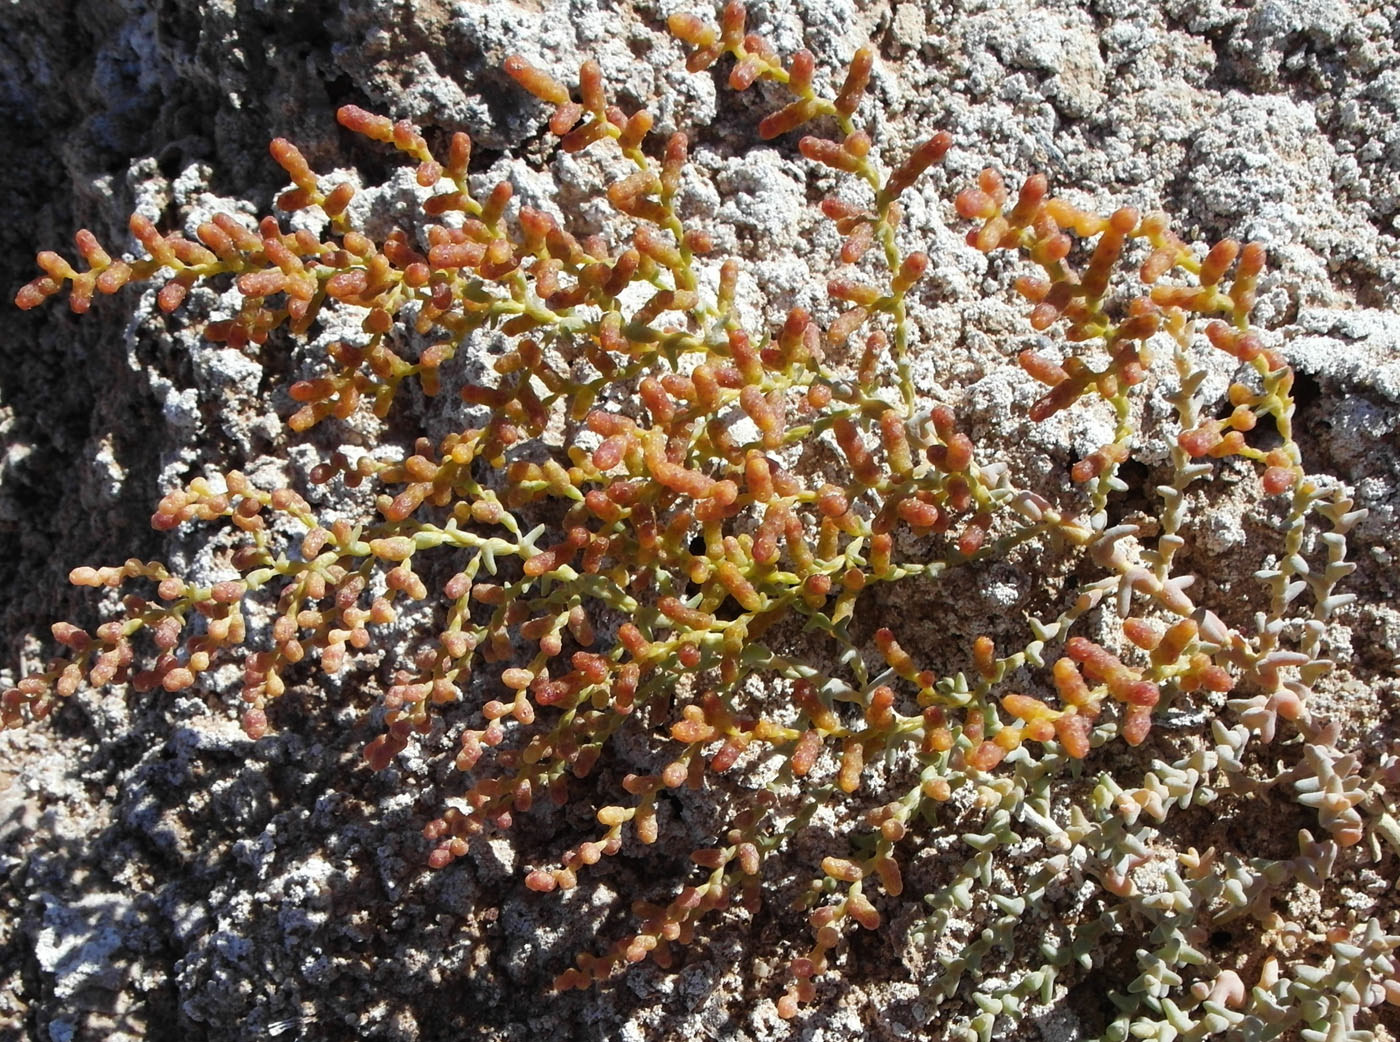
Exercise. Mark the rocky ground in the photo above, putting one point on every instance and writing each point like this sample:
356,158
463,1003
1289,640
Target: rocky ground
161,877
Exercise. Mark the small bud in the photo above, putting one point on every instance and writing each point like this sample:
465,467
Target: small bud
536,81
857,77
360,121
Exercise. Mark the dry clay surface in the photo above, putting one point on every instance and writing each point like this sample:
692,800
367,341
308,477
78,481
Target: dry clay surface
161,877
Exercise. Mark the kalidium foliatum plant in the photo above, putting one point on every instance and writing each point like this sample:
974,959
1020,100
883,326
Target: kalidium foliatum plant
676,523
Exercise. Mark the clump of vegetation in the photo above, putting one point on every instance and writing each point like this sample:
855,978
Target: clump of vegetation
661,502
